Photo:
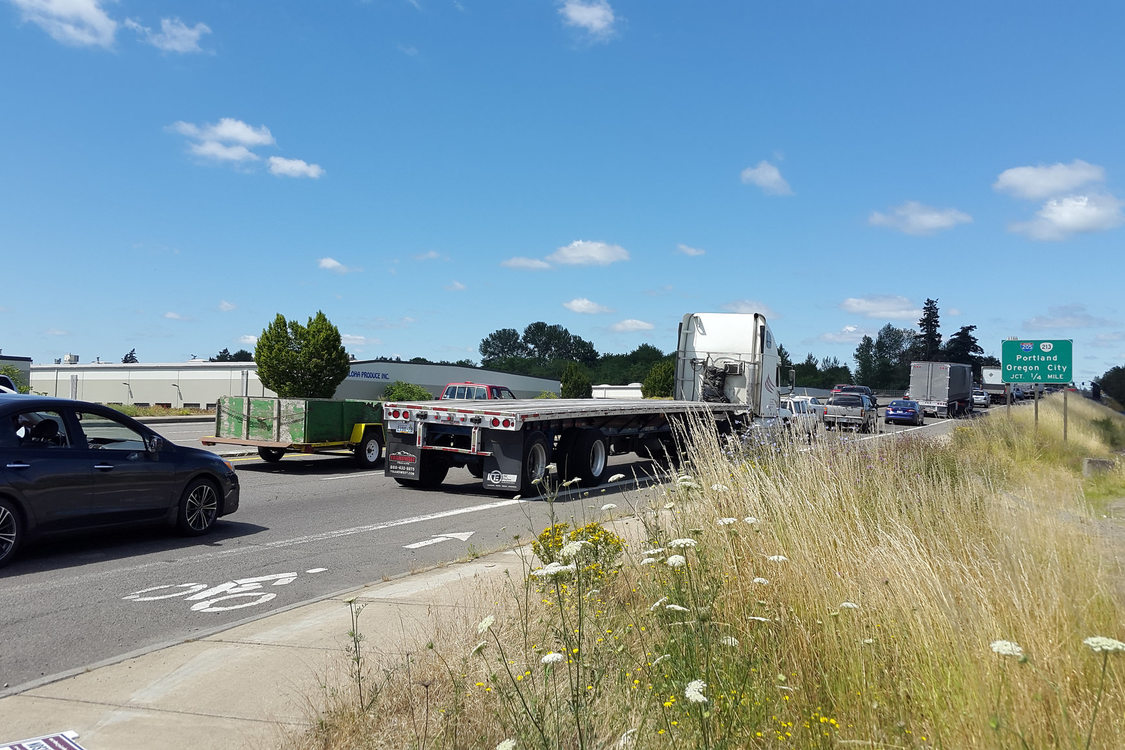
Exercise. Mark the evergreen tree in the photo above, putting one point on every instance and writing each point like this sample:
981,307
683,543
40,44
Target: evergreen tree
783,359
963,347
130,358
660,382
929,339
301,361
865,362
575,383
893,351
1112,383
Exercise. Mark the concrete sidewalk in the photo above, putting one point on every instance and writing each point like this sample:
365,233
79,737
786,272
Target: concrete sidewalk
244,686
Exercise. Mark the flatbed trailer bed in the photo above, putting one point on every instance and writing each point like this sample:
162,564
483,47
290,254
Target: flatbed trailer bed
510,443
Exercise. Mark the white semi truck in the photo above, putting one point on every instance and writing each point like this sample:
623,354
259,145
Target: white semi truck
726,374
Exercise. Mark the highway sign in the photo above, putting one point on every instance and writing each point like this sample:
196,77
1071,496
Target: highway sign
1026,361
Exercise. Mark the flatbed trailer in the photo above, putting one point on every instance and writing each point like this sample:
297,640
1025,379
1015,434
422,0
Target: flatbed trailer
509,444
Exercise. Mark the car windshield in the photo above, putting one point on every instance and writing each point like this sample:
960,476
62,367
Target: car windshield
900,404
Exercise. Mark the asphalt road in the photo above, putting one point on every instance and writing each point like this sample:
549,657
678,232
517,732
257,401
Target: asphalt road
308,527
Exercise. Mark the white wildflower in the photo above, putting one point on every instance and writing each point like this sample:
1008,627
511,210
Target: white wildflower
694,691
478,648
618,478
552,657
726,521
758,619
572,480
554,570
508,744
609,506
1007,648
627,739
681,543
730,640
868,641
720,487
688,485
485,624
649,560
750,520
1099,643
761,581
669,505
676,561
676,608
665,657
778,558
571,550
684,478
654,551
656,605
848,605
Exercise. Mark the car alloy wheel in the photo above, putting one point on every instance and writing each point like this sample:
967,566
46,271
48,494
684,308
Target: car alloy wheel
199,507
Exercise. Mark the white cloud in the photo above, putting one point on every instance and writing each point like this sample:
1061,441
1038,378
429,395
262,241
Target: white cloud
689,250
846,335
56,332
333,265
632,324
248,339
222,152
226,306
767,177
1106,339
914,218
1036,183
455,286
81,23
595,17
526,264
749,306
428,255
294,168
174,35
586,253
1066,317
1073,214
226,130
174,316
882,306
356,341
585,306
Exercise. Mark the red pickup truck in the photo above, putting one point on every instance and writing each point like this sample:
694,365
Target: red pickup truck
476,391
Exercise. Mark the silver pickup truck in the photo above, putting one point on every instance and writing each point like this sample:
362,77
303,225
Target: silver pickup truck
852,410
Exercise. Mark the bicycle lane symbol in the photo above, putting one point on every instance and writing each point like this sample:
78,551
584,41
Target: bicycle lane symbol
236,594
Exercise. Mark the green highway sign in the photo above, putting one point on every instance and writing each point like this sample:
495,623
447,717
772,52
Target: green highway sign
1025,361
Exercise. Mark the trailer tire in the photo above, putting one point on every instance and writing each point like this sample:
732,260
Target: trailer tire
536,458
271,455
369,450
432,471
588,458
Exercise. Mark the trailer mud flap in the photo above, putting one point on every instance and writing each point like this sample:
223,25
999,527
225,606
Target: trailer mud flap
503,469
403,457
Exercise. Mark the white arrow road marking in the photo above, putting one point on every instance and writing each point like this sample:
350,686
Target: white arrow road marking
462,535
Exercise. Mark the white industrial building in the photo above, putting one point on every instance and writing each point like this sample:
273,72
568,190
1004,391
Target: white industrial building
198,383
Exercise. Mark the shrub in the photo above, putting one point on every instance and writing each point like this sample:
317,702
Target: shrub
402,391
660,381
575,382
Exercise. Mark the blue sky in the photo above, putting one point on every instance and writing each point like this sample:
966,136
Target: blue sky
174,174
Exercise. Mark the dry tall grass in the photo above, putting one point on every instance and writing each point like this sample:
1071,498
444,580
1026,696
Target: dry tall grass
846,594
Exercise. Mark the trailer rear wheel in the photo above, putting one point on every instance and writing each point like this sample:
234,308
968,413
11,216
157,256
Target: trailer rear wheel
369,450
271,455
588,458
432,471
536,458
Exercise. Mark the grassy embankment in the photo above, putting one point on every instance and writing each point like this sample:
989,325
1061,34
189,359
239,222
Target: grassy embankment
911,594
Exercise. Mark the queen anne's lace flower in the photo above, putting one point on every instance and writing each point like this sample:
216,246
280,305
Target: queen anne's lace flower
676,561
681,543
1099,643
761,581
1007,648
750,519
730,640
554,570
720,487
726,521
676,608
649,561
571,550
508,744
848,605
694,691
778,558
485,624
609,506
552,657
656,605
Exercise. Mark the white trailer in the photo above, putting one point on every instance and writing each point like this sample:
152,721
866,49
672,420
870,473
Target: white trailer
725,374
942,389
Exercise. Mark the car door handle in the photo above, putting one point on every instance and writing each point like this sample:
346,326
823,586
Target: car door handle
18,465
104,467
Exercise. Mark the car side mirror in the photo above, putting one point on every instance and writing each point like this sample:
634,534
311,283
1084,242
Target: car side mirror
155,444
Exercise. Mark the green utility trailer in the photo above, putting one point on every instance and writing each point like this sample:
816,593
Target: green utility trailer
300,425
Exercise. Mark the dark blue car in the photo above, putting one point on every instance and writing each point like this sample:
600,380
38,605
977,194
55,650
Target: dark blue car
904,411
